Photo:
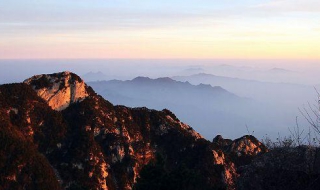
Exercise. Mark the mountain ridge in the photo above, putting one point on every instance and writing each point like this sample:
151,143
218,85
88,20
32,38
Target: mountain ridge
201,105
93,144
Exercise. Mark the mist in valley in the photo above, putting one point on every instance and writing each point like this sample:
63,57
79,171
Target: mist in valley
227,97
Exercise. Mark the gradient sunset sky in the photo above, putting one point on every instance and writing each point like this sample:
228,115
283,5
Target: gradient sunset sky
204,29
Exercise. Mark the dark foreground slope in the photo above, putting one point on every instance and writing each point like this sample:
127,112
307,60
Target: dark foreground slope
57,133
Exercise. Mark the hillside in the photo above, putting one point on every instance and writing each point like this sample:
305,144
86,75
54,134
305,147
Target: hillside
57,133
87,143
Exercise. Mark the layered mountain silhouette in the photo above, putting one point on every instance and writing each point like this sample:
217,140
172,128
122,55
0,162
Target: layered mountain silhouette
207,106
57,133
269,92
204,106
280,102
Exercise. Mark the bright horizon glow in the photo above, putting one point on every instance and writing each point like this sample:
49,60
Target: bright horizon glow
246,29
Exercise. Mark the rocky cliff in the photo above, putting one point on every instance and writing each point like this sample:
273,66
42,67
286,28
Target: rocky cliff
57,133
59,90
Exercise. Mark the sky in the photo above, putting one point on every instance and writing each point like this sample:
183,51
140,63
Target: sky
166,29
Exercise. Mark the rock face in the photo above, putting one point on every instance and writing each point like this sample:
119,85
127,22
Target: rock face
85,142
60,89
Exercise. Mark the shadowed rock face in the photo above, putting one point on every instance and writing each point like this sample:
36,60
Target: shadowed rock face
87,143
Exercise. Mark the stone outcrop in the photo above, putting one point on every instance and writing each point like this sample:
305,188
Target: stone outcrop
59,90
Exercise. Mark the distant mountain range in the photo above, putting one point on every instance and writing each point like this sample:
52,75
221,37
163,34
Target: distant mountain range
201,105
280,70
94,76
268,92
207,107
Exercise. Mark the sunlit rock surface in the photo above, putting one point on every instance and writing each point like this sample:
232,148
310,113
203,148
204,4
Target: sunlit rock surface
59,90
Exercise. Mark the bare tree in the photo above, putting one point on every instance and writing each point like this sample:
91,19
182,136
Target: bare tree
312,116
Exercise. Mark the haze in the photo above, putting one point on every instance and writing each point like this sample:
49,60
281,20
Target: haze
261,53
265,94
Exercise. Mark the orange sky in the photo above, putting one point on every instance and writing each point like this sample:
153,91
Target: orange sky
267,30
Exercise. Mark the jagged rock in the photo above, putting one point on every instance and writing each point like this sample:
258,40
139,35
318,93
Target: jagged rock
93,144
246,146
220,141
60,89
240,151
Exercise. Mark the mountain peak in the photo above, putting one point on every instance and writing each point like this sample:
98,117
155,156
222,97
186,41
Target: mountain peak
59,89
165,79
279,70
141,78
247,145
